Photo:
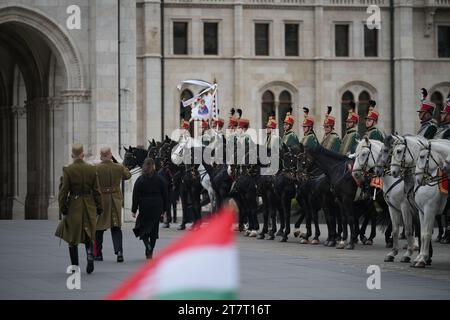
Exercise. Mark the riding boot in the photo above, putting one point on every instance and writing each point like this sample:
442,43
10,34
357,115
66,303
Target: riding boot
90,257
148,248
99,245
73,252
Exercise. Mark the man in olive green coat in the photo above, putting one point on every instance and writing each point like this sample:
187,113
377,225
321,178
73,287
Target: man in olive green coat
331,140
110,176
80,203
351,138
371,123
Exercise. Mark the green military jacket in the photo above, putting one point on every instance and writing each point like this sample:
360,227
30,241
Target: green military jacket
375,134
332,142
290,138
272,141
110,176
428,129
443,131
349,142
310,140
80,194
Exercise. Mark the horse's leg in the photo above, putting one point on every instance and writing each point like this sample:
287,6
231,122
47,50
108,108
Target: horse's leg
365,212
344,218
184,208
427,225
408,229
266,209
348,203
373,226
287,215
282,220
440,228
339,213
273,216
316,227
395,218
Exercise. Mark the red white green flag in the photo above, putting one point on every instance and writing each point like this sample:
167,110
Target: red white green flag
202,264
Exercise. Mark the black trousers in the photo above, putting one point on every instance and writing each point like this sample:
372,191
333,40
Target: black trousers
116,235
73,252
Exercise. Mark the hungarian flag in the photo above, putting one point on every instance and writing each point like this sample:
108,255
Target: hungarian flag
202,264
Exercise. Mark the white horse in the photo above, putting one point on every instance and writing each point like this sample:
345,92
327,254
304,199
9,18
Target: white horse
178,153
371,154
429,199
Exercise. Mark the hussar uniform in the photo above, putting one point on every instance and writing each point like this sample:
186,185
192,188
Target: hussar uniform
427,128
290,139
331,141
273,141
80,202
351,137
373,132
309,140
110,176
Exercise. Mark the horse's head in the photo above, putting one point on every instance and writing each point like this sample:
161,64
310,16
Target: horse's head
367,152
134,157
405,153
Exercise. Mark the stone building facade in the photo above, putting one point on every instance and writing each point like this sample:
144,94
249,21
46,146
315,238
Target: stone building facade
113,80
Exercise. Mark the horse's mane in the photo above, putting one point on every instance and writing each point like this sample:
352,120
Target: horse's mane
331,154
362,143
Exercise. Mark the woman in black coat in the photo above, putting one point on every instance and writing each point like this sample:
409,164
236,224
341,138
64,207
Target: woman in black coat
150,198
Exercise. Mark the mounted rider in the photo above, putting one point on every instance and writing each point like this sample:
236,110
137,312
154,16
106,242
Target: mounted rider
331,139
373,132
428,125
289,138
443,132
272,138
351,138
309,136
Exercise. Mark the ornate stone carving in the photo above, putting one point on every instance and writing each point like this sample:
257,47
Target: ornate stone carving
429,21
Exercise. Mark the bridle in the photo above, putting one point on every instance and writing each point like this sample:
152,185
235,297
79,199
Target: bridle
427,177
384,165
404,170
363,170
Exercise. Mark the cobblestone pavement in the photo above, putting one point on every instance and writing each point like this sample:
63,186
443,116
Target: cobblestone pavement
33,264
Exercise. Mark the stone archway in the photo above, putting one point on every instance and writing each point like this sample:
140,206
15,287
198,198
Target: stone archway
41,74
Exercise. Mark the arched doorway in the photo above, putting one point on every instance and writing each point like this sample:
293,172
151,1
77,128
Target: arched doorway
40,74
363,109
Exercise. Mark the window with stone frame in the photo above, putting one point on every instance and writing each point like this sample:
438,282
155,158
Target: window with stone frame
210,38
284,106
444,41
347,97
341,40
261,39
291,39
370,42
267,106
180,37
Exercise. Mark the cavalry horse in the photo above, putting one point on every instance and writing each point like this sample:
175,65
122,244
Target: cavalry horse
429,199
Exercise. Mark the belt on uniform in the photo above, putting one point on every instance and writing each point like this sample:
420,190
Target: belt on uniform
109,190
76,195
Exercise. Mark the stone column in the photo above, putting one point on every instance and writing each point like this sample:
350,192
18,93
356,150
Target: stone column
318,64
404,68
20,161
6,162
38,136
238,55
152,69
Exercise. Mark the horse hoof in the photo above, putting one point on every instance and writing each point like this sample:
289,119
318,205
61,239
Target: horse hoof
279,233
341,245
419,264
406,259
315,242
253,234
304,241
429,262
182,227
271,237
368,243
261,236
438,239
326,242
389,245
331,244
284,239
445,241
363,240
389,259
350,246
166,225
